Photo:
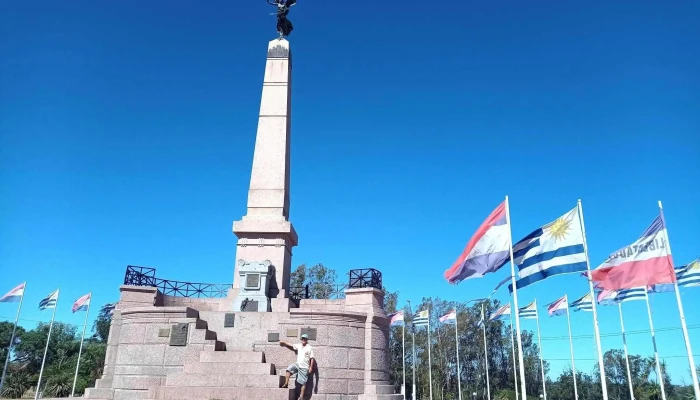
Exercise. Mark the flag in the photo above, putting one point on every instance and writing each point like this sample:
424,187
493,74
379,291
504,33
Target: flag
487,251
480,324
501,313
643,263
558,307
82,303
396,318
585,303
49,301
687,276
108,308
422,318
501,283
14,294
529,311
607,297
630,294
554,249
449,318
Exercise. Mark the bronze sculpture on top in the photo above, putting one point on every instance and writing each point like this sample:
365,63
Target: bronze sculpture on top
284,25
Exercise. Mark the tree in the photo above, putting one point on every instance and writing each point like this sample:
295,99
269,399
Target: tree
320,280
5,336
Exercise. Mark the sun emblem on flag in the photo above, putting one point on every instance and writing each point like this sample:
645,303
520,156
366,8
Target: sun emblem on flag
560,229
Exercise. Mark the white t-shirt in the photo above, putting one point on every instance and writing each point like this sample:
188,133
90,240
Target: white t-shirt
304,355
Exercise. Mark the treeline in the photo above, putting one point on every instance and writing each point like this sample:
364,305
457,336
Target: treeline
61,358
501,370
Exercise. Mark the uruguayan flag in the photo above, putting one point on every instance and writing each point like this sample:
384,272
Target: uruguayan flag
556,248
630,294
687,276
49,301
422,319
529,311
585,303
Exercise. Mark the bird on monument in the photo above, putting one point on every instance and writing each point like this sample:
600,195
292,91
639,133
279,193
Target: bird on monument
284,25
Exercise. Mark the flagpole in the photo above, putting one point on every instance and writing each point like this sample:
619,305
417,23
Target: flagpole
80,352
627,358
46,349
459,379
601,366
571,346
403,357
413,336
659,373
693,372
430,363
515,303
539,341
12,338
486,354
512,347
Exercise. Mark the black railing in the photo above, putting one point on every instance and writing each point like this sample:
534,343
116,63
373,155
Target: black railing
364,278
142,276
318,291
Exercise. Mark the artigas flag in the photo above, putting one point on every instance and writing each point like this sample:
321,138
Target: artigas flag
82,303
487,251
449,318
396,318
643,263
559,307
14,294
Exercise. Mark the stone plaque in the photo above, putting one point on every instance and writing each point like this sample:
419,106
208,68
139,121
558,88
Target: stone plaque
309,331
178,334
292,332
273,337
229,320
250,306
163,332
252,281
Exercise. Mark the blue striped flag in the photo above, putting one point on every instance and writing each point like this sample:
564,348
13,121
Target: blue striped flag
554,249
422,319
49,301
687,276
585,303
529,311
630,295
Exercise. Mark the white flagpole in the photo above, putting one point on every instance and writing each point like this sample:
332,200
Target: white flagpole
601,366
539,342
430,363
571,347
659,373
515,303
80,352
459,379
46,349
413,336
486,354
693,372
627,358
512,347
403,357
12,338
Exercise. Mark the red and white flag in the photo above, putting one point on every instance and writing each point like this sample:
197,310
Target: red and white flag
643,263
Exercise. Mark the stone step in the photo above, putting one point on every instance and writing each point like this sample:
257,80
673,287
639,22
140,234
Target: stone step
201,335
103,383
214,345
223,393
232,356
99,393
380,397
242,368
221,380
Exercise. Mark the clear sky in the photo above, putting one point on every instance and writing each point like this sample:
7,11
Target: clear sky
127,131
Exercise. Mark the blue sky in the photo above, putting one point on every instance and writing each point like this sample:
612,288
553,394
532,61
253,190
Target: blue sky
127,131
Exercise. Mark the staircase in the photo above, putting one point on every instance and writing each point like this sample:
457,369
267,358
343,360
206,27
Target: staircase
224,375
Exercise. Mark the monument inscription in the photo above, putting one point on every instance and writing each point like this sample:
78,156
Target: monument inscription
311,332
229,320
178,334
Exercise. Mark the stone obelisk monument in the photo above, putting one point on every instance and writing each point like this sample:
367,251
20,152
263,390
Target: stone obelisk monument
265,232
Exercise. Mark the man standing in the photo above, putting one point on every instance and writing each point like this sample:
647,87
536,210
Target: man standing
304,365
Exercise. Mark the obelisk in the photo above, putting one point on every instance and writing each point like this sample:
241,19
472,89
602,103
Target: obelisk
265,232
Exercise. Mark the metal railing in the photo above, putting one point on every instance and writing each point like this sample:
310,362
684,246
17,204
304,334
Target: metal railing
143,276
364,278
318,291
